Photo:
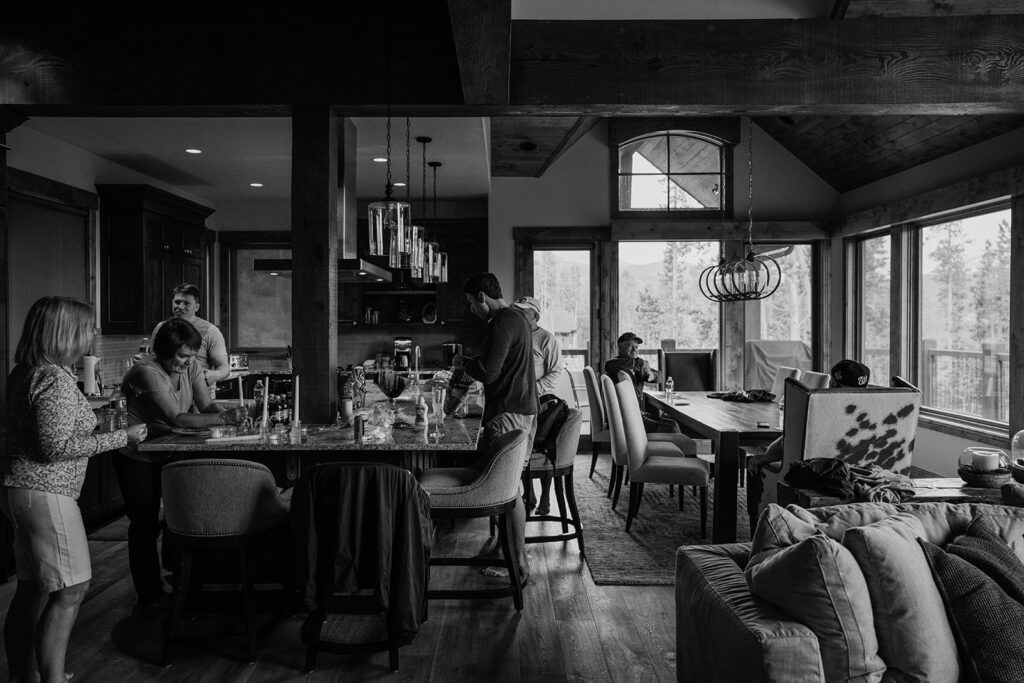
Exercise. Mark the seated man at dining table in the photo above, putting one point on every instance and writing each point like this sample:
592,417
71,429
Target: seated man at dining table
639,371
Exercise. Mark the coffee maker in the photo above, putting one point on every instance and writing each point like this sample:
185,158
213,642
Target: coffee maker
449,350
403,353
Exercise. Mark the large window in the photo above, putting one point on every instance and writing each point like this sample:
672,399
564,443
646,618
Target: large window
786,314
874,278
964,315
561,281
671,172
658,295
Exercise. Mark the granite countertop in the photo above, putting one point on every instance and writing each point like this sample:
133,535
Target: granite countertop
458,434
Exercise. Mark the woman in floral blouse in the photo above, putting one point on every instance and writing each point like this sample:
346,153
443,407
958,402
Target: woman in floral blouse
50,441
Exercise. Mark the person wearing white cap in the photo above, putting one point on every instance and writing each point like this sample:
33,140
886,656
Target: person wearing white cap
547,354
547,369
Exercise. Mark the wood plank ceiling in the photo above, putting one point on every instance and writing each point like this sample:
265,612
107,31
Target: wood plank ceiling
847,151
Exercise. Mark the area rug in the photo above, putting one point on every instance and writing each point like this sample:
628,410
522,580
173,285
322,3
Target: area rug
646,555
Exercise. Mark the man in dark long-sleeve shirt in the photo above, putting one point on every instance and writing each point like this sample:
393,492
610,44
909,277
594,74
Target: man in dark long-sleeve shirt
505,366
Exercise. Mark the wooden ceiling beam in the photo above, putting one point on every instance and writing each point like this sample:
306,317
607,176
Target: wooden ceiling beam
482,34
855,66
853,9
579,129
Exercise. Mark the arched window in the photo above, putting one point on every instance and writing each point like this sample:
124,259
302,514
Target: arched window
672,173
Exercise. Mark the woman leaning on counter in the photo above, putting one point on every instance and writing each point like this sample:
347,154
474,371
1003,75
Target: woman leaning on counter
50,441
163,391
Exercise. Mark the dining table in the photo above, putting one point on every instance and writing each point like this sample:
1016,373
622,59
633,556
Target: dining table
730,425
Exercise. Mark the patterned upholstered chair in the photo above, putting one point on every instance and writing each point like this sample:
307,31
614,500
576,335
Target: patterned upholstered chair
656,462
489,488
598,418
214,504
561,471
870,426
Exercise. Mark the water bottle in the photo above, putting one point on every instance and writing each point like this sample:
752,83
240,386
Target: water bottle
669,385
782,413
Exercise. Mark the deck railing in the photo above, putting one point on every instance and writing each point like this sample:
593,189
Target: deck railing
969,382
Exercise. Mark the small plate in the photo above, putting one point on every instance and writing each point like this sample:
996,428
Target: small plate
191,431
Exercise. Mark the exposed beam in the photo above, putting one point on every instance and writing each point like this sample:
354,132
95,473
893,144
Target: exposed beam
579,129
872,66
482,33
927,8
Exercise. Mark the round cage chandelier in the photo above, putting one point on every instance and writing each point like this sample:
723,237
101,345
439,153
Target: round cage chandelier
755,276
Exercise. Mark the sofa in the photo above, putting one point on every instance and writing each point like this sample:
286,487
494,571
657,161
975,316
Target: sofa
858,592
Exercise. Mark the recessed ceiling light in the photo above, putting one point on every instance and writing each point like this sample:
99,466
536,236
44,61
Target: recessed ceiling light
362,272
380,160
273,273
380,279
193,150
255,184
399,184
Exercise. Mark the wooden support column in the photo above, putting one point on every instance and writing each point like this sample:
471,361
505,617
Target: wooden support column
315,171
9,120
1016,317
732,329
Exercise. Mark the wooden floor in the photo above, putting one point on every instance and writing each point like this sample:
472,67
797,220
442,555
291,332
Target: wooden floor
569,630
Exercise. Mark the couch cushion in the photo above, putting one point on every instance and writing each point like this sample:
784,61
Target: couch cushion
985,616
941,521
914,635
831,598
777,528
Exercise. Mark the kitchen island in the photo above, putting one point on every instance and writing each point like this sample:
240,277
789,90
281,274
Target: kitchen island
408,445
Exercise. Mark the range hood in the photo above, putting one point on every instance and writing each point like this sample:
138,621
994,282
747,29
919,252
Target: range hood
349,269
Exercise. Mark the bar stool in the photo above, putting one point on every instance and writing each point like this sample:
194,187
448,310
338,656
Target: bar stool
212,504
561,471
489,487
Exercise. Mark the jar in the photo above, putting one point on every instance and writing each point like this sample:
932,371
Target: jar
1017,449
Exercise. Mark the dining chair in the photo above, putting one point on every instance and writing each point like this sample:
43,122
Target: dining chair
656,462
490,490
781,375
567,442
215,504
815,380
598,418
861,427
620,459
336,507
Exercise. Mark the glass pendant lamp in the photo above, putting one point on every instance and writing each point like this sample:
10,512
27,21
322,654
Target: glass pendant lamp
389,217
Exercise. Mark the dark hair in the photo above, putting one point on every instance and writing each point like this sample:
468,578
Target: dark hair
483,282
187,289
172,335
58,330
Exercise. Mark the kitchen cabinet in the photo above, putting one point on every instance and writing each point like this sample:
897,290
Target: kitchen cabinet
150,241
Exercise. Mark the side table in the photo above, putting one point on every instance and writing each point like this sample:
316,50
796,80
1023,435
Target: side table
932,490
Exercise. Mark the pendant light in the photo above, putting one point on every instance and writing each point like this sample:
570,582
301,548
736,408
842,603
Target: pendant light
430,248
755,276
441,263
389,217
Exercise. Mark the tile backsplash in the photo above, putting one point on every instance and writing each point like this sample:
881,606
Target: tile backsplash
115,352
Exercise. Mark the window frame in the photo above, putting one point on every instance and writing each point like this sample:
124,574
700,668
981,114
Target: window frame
855,313
723,132
985,430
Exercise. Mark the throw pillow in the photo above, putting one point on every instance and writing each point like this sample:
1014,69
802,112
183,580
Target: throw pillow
777,528
818,582
985,618
914,635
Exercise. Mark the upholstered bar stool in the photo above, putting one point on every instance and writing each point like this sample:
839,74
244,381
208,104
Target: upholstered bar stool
561,471
212,504
489,487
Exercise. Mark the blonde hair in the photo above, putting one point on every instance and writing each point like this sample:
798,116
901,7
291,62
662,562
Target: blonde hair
58,330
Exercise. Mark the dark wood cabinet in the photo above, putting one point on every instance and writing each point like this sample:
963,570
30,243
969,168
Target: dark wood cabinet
151,241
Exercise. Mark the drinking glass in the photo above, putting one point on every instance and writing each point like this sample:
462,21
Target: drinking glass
437,397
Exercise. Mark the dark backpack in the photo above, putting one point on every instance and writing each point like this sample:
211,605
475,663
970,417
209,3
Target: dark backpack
550,418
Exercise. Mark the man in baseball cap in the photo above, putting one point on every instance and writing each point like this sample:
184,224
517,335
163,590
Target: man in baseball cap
850,373
639,371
